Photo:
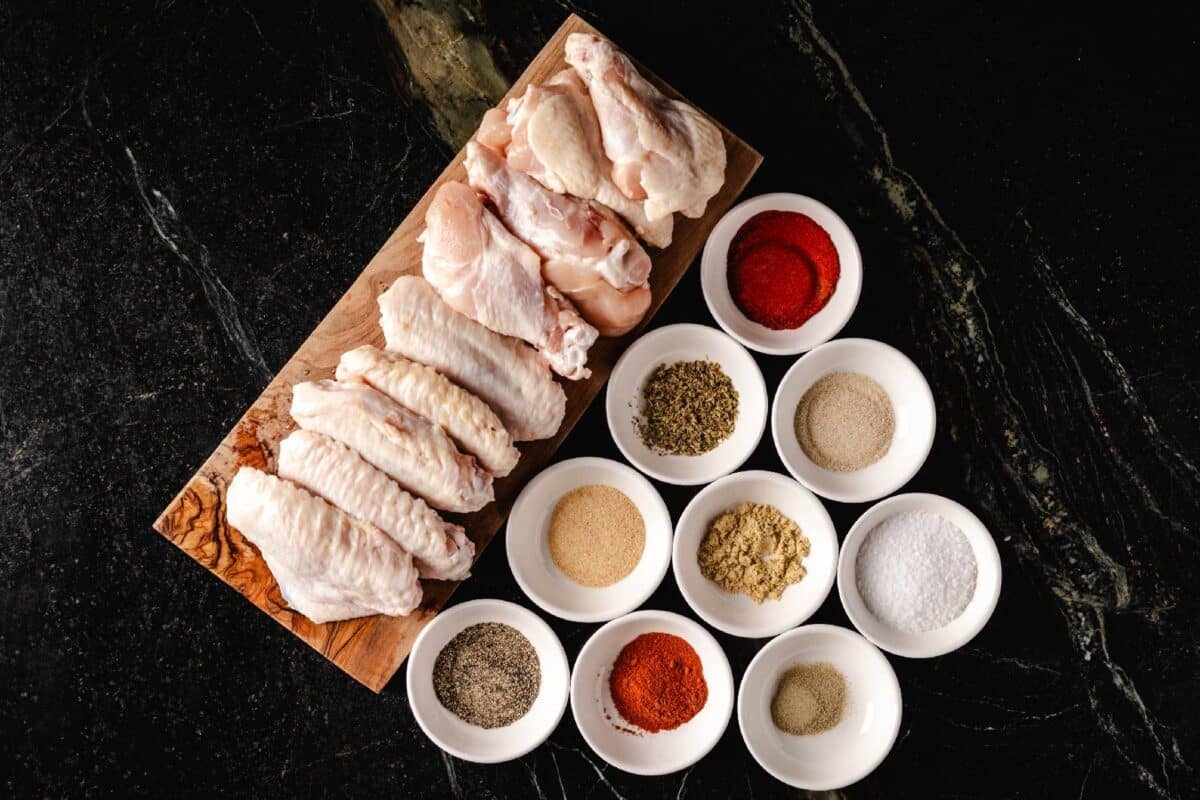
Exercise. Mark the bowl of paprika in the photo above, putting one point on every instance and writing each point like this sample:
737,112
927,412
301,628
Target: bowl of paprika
652,692
781,273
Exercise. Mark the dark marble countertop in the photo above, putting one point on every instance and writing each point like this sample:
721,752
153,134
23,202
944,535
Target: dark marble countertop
186,188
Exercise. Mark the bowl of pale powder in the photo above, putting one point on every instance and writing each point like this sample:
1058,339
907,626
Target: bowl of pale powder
819,707
853,420
588,539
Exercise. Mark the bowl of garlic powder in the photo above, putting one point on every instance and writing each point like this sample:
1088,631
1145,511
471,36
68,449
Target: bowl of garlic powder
589,539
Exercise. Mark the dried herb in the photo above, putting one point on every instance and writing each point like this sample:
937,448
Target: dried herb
688,408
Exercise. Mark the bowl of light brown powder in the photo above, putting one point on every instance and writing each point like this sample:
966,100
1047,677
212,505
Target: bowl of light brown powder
589,539
853,420
819,707
755,553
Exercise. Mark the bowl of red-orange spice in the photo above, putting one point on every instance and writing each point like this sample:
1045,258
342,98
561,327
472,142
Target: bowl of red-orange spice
781,273
652,692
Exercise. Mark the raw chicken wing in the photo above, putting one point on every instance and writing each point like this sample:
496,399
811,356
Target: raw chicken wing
483,271
613,312
331,565
316,599
662,150
558,226
415,452
578,240
503,372
552,134
473,426
331,470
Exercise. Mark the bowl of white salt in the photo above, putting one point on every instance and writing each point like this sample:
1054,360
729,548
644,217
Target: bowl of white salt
919,575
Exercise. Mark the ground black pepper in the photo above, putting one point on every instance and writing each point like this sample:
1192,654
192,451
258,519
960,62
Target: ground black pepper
487,675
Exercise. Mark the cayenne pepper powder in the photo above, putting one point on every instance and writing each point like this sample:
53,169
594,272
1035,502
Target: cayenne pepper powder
783,268
657,682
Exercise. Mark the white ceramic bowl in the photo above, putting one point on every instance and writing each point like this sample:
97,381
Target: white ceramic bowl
529,552
912,404
849,751
975,615
470,742
653,753
826,323
736,613
686,343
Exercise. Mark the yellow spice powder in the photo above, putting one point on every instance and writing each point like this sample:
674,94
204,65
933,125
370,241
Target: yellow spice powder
755,550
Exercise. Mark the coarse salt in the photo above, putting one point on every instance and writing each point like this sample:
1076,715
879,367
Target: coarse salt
916,571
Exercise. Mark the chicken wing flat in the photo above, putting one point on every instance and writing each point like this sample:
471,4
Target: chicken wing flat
316,599
332,563
503,372
473,426
329,469
416,453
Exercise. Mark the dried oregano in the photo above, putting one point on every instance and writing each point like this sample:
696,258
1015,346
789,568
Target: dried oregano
688,408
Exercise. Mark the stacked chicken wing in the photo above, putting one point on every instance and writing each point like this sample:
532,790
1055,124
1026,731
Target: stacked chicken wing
524,266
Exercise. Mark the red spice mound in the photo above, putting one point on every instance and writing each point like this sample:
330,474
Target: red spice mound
657,682
783,268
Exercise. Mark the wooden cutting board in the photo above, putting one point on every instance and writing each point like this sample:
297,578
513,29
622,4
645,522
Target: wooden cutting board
371,649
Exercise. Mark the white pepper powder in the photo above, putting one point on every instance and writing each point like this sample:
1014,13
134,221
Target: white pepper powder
845,422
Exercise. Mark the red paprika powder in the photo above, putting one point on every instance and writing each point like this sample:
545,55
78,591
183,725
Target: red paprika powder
782,268
657,682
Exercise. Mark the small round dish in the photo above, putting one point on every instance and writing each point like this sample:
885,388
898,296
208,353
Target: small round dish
975,615
912,405
470,742
686,343
855,746
826,323
529,552
737,613
652,753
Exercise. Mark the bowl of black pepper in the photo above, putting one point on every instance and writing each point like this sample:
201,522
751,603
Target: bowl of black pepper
686,404
488,681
